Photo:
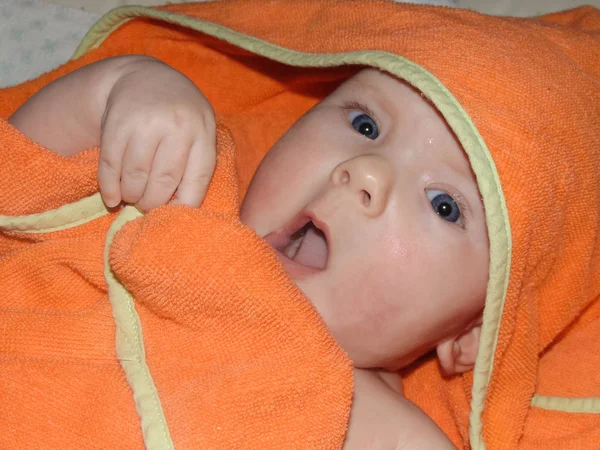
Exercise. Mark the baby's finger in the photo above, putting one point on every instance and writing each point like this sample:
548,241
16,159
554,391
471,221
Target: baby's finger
137,164
167,169
113,143
199,171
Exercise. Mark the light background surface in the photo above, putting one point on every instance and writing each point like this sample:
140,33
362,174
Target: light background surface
38,35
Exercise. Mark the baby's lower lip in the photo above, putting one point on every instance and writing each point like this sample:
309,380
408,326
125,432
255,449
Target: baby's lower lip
295,270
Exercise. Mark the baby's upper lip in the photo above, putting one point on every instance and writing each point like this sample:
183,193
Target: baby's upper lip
305,216
279,240
321,225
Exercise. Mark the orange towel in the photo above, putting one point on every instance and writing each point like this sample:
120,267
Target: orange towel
522,96
239,358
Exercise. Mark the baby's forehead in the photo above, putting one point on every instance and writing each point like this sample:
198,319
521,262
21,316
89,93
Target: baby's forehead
384,86
366,78
391,94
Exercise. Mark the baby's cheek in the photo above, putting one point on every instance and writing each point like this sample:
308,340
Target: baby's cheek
270,191
397,260
395,249
405,273
378,287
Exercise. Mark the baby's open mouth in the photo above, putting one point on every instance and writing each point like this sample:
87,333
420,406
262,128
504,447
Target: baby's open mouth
302,246
308,246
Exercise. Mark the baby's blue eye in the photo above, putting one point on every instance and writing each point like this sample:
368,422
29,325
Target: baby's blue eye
444,205
364,124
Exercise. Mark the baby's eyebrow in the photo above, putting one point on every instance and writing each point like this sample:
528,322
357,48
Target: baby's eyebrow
371,94
469,189
462,171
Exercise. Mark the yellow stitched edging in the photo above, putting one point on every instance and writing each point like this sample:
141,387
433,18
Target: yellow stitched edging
590,405
479,157
130,348
62,218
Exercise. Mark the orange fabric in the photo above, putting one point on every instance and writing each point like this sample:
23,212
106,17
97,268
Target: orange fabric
239,357
531,86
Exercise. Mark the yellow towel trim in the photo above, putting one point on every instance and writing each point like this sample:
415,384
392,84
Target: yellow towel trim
62,218
589,405
130,348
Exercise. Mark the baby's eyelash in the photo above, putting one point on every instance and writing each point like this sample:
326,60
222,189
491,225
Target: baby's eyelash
462,205
354,105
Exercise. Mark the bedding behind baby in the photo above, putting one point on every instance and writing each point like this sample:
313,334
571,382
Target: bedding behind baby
181,328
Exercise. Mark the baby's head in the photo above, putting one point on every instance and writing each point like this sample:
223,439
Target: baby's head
373,209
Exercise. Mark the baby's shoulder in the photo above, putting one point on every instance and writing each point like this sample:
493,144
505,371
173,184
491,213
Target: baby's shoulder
371,422
382,418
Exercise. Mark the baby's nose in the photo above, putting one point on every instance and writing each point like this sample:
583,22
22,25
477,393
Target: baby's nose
369,179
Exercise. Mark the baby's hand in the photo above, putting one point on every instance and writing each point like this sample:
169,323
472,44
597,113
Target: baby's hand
157,138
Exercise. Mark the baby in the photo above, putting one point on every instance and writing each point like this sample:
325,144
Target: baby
368,200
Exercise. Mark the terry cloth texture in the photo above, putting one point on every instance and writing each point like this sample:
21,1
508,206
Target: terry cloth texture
523,98
231,355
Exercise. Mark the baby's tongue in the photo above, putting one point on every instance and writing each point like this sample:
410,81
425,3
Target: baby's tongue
313,250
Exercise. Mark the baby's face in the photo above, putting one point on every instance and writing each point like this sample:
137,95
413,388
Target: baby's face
373,210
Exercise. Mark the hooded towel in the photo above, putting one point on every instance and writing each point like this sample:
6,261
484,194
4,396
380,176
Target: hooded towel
522,97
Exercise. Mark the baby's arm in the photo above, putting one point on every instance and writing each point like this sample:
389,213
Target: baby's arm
382,419
65,116
156,130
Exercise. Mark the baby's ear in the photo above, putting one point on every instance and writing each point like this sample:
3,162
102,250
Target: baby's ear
458,353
